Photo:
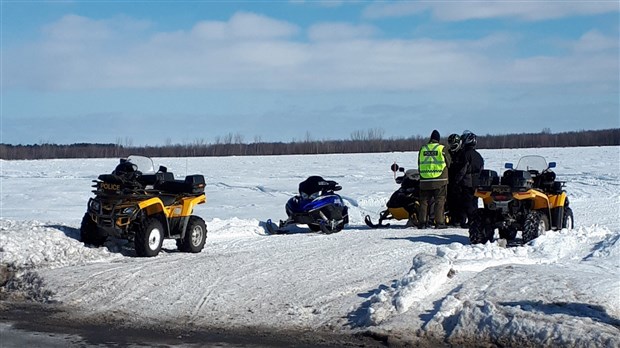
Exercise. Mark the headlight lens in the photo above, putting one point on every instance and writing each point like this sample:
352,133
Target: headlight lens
95,205
129,210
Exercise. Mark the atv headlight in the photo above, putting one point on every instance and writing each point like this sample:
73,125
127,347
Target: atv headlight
129,210
95,205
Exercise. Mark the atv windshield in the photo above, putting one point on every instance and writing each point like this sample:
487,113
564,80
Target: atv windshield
533,162
145,164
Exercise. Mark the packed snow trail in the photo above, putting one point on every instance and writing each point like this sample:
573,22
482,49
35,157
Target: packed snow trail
402,283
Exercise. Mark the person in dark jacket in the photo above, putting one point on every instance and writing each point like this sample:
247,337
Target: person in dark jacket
433,163
454,171
468,177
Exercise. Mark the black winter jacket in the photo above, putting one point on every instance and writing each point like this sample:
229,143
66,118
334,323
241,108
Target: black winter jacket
472,164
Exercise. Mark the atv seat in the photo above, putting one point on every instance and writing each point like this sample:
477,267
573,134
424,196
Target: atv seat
488,178
545,181
193,184
520,180
168,199
153,179
111,178
125,182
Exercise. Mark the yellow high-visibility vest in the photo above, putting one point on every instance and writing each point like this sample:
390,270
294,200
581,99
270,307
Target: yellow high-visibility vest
431,161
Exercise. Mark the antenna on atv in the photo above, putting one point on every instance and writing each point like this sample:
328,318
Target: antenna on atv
394,169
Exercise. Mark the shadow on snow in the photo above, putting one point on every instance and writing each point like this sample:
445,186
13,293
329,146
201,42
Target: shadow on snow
436,239
585,310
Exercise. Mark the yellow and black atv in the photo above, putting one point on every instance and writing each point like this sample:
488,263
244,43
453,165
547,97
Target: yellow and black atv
145,207
527,198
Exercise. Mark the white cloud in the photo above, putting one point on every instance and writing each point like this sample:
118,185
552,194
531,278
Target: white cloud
394,9
483,9
78,28
325,3
244,25
340,31
594,41
255,52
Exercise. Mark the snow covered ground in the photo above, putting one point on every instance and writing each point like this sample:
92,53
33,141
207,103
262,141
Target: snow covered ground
409,285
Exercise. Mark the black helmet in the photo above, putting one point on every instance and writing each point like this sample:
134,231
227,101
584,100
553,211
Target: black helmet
468,138
454,141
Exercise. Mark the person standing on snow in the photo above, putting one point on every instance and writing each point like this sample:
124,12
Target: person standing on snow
433,163
454,171
469,176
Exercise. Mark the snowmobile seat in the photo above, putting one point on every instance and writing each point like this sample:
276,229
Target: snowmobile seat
311,187
411,179
193,184
315,185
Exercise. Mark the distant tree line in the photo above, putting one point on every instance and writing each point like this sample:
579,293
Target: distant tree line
368,141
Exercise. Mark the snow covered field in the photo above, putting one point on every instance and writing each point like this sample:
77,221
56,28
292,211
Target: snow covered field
562,289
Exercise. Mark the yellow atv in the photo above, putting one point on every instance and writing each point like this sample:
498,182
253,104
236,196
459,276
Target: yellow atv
145,207
527,198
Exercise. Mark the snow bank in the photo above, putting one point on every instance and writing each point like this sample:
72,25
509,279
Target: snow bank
426,275
33,244
430,272
523,323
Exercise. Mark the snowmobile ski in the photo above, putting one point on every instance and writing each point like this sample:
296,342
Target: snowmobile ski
272,228
370,224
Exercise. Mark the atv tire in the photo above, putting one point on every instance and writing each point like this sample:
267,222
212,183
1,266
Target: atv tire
508,233
89,233
149,238
481,229
195,236
568,221
536,223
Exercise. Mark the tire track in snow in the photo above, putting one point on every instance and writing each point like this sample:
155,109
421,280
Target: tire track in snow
259,188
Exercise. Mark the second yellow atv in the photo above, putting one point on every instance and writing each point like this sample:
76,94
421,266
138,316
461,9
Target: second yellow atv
145,207
527,198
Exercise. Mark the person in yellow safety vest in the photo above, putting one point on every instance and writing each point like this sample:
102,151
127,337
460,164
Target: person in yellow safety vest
433,162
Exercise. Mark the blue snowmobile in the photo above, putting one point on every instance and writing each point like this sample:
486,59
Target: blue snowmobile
317,206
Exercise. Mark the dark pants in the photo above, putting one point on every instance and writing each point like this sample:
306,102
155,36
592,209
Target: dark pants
469,203
438,197
454,204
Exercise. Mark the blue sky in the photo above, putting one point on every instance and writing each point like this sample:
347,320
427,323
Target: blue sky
183,72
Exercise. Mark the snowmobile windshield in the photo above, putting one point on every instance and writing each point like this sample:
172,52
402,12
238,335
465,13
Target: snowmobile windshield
145,164
412,174
533,162
312,196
